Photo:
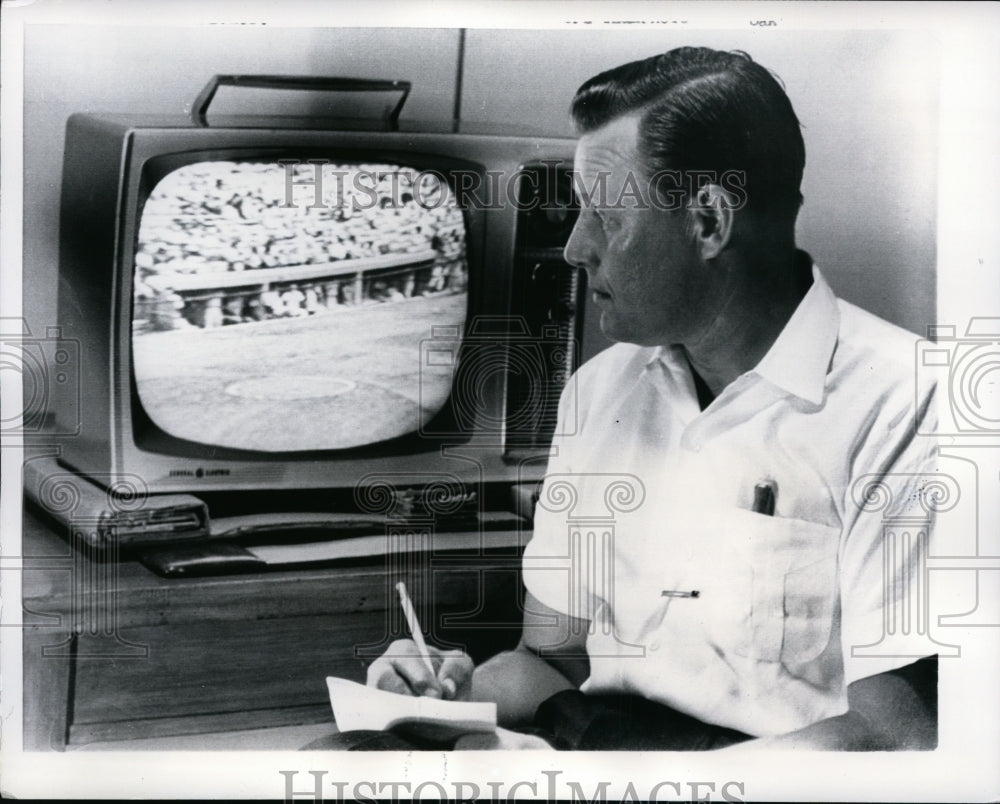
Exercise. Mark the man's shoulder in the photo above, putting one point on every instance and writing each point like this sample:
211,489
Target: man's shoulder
863,335
883,353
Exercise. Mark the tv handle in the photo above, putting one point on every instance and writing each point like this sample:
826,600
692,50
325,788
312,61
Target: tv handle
199,108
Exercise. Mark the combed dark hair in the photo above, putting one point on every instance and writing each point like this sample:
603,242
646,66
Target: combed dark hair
705,109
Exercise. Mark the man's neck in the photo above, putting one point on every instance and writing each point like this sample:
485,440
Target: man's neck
755,310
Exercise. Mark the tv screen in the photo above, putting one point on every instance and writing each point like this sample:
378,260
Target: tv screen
279,306
293,308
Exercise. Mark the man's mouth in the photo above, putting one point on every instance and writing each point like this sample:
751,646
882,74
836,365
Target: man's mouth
600,295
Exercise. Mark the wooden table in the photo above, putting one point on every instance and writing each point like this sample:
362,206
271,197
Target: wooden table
117,653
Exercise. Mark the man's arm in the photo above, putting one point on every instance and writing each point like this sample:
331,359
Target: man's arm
887,712
551,657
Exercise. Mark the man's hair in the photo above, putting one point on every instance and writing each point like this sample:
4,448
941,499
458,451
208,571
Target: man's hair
706,110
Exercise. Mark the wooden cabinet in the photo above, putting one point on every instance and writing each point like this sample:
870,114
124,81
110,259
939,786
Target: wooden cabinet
139,655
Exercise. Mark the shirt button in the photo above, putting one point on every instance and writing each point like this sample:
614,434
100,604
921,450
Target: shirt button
654,645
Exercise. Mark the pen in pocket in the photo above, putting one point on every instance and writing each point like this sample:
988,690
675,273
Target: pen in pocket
763,498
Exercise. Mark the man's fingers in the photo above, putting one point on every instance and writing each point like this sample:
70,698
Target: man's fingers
455,665
419,679
402,669
382,675
454,672
410,669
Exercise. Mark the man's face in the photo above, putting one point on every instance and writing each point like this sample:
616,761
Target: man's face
643,269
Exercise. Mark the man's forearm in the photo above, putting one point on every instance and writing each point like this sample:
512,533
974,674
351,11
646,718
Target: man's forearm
518,681
886,714
847,732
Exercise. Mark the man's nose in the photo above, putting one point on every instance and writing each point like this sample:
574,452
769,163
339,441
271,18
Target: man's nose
579,250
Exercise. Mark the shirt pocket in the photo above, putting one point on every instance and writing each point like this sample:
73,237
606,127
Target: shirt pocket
793,589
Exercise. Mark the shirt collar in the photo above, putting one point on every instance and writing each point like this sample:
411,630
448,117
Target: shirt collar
799,358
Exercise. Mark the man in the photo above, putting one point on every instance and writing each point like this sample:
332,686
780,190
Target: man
737,373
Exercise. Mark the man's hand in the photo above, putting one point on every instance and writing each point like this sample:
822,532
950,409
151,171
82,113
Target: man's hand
402,669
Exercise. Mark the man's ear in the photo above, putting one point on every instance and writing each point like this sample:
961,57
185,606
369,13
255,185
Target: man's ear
711,220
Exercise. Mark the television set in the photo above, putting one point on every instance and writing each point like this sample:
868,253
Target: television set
310,304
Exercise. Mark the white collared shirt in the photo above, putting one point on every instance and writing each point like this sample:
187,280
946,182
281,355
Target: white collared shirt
768,618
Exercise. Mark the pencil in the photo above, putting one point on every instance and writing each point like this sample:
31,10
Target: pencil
414,623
